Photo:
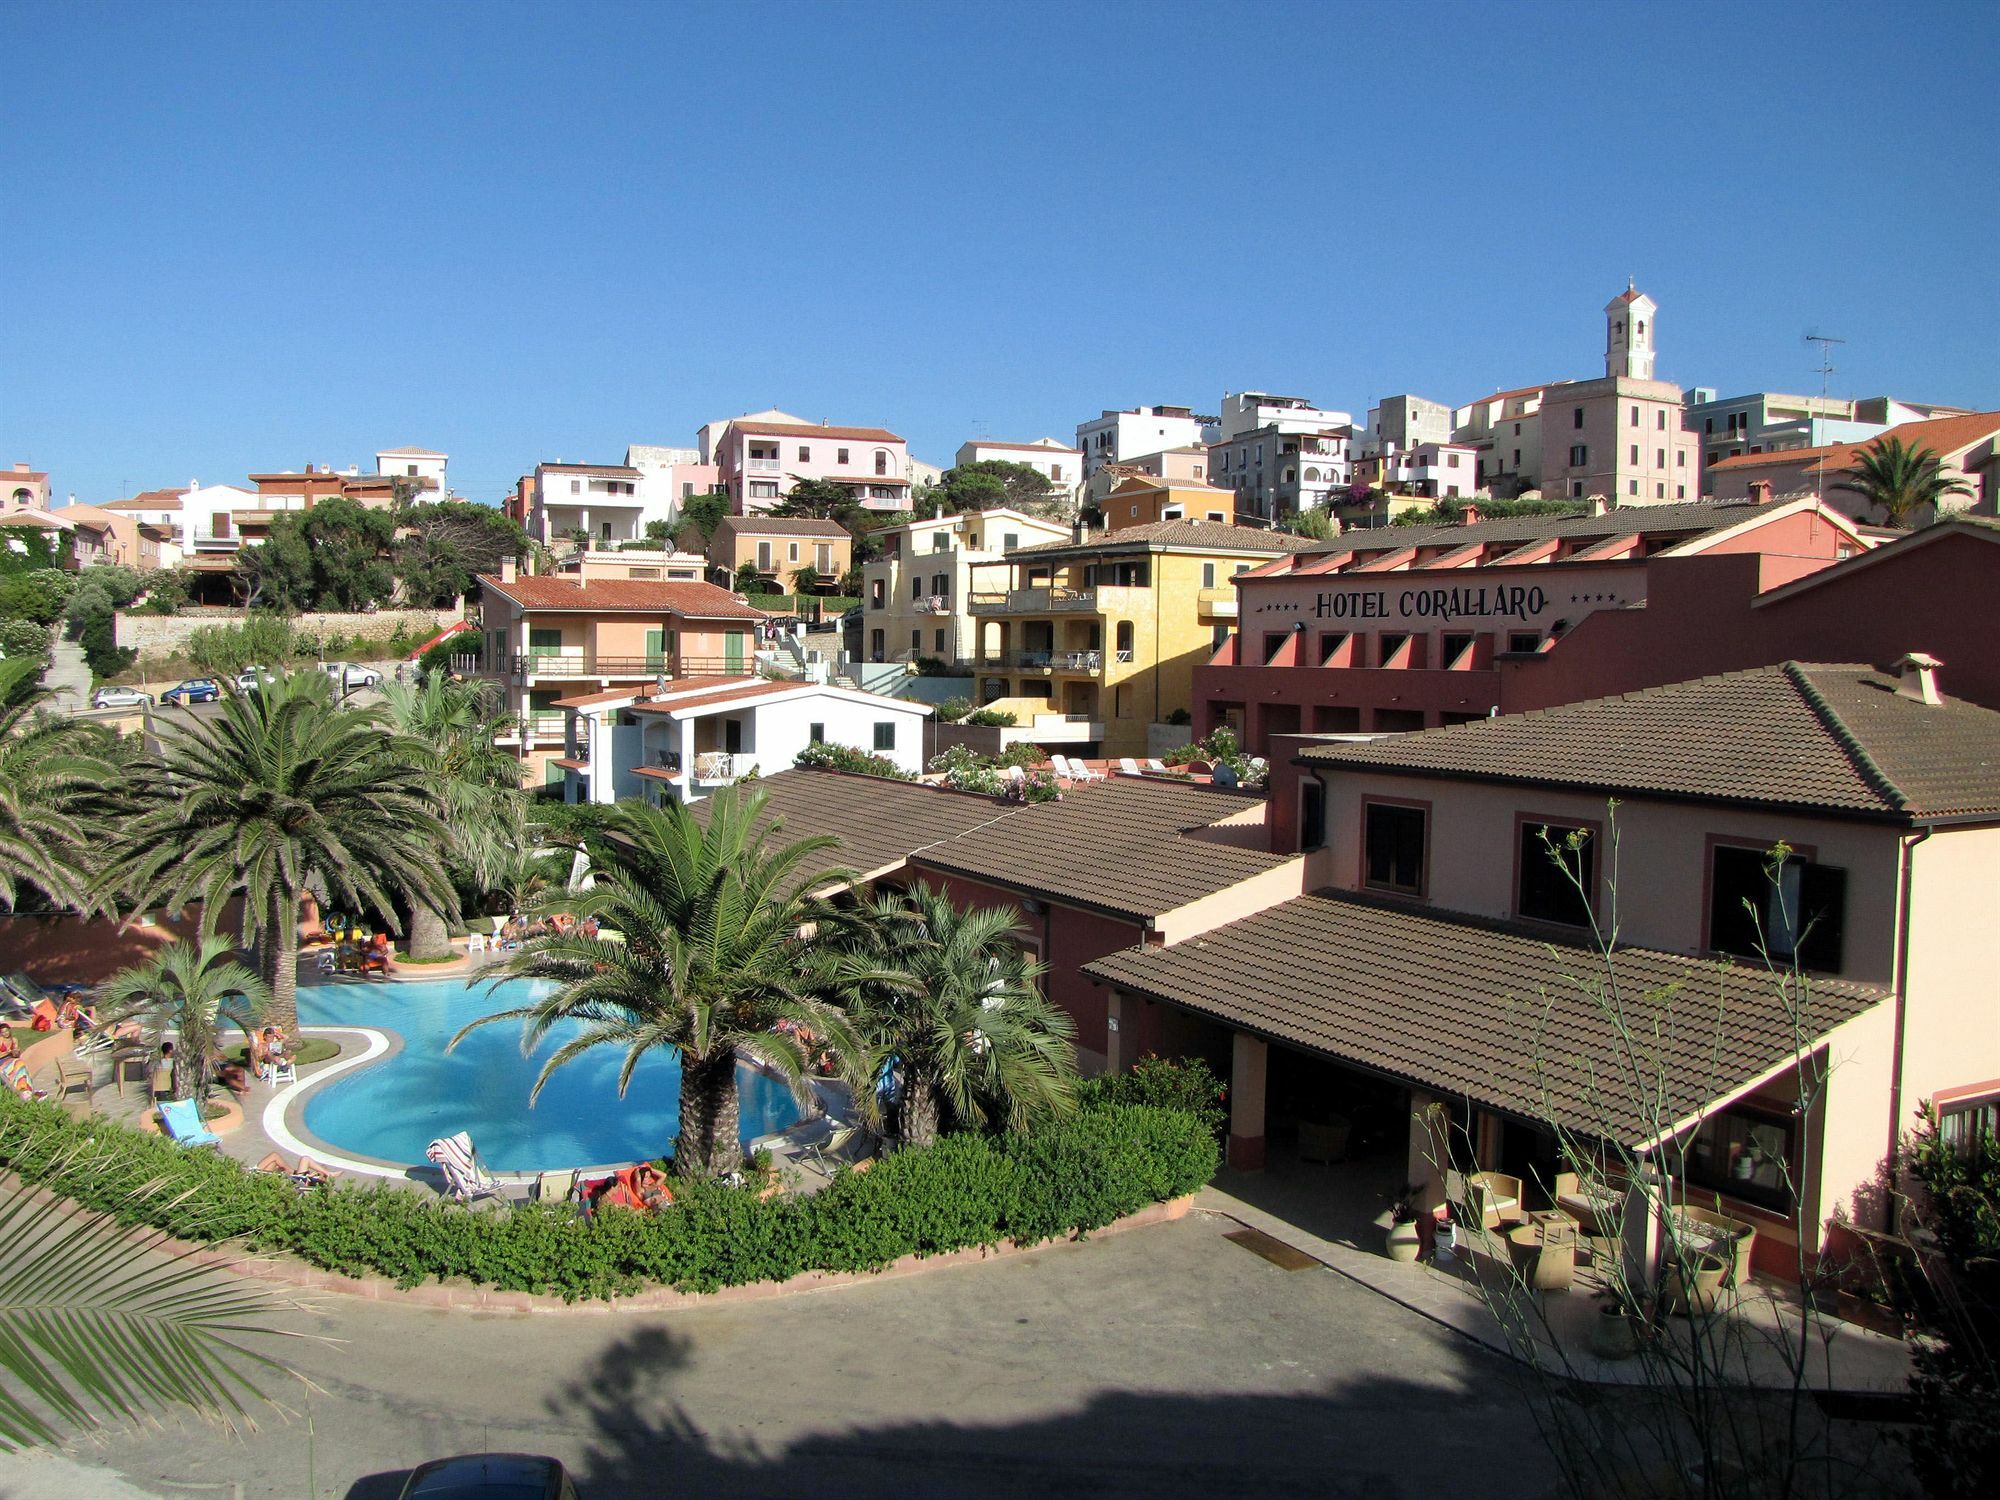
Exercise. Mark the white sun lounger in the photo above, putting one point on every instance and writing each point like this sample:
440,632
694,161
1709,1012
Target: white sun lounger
465,1177
1128,765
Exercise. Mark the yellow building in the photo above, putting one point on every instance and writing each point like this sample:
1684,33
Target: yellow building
1107,630
1141,502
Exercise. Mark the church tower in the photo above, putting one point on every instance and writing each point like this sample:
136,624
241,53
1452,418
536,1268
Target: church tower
1628,335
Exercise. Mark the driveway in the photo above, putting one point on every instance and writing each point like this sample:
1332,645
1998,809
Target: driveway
1163,1361
67,677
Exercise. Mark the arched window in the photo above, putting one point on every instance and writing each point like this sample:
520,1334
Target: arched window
1640,328
1618,329
881,461
1312,476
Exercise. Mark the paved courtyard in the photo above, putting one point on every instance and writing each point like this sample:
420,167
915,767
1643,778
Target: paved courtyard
1162,1361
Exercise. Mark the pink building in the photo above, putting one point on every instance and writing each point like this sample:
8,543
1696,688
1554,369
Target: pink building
758,460
22,485
1621,437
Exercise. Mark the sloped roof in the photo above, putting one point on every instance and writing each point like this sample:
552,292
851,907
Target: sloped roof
782,526
623,471
1486,1012
789,429
637,595
1942,435
1831,740
1214,536
1695,518
148,500
1121,847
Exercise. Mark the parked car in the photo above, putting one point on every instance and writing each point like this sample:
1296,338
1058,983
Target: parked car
119,697
252,678
494,1476
349,675
194,690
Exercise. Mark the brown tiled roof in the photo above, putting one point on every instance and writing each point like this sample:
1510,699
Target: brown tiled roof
1942,435
1121,847
637,595
146,500
1212,535
780,526
879,822
1834,740
1694,518
1478,1010
727,691
786,429
24,476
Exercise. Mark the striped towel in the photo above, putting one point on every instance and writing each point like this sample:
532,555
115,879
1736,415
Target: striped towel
453,1154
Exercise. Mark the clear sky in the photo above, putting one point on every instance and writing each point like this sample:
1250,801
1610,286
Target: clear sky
250,237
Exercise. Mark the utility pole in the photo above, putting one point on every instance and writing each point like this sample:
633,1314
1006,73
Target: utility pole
1826,341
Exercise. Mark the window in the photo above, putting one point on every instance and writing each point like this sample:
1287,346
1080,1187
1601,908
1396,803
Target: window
1659,492
1208,575
1119,710
816,733
763,489
1393,841
1576,489
885,734
1220,634
876,590
1964,1123
1010,540
1631,486
1660,419
791,552
941,584
1576,418
1659,458
1680,492
763,557
1547,891
1635,454
840,455
917,587
1745,1152
687,489
1681,459
1524,640
1331,645
1124,640
1456,643
881,461
1274,642
1312,813
916,643
576,486
1635,416
1798,916
1451,460
805,454
1579,455
938,645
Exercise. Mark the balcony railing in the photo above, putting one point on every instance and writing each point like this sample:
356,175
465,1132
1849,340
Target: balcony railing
555,664
1046,661
1218,602
763,465
538,726
1051,600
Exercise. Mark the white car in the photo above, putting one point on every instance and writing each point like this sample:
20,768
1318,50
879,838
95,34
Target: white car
250,679
119,697
348,675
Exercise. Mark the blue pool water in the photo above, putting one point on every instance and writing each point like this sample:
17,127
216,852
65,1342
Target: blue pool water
395,1107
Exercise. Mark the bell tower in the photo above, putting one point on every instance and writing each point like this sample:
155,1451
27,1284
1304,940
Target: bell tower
1628,334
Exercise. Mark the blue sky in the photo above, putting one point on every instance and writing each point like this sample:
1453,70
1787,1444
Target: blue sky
248,237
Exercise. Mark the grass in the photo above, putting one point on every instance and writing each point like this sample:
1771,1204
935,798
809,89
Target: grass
312,1049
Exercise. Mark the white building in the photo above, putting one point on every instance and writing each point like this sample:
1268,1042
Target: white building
415,463
1272,471
1404,422
1443,471
600,500
914,596
1118,437
1062,464
1245,412
668,479
681,741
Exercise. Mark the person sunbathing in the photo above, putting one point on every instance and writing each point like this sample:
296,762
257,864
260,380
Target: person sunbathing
307,1174
233,1076
14,1073
8,1046
377,957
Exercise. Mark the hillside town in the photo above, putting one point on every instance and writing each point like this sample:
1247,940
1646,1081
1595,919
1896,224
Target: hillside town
1037,914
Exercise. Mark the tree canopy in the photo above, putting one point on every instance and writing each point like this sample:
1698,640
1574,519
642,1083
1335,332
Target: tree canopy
992,483
446,542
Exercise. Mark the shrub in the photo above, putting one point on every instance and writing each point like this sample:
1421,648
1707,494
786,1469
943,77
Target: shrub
953,709
1186,1084
847,758
1107,1160
20,638
933,666
1180,716
999,717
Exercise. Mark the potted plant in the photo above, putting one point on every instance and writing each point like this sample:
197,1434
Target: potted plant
1403,1242
1620,1327
1705,1271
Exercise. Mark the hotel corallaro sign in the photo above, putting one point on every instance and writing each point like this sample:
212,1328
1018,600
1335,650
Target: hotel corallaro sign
1414,602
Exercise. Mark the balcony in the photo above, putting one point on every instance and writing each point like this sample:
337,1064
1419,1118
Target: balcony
554,664
763,465
209,542
1046,661
1217,603
1035,601
538,728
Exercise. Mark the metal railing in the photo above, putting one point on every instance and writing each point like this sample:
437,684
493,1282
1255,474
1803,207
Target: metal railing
1033,601
558,664
1050,661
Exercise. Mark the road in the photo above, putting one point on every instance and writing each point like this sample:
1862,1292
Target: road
1163,1361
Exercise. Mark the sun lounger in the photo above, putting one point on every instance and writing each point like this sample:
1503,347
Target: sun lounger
844,1146
1128,765
1155,766
465,1177
181,1119
306,1176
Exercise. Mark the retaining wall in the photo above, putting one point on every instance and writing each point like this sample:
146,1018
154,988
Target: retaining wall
165,634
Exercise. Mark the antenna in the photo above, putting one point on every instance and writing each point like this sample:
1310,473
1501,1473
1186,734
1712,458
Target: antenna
1826,341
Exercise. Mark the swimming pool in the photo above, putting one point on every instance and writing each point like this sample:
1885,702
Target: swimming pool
392,1109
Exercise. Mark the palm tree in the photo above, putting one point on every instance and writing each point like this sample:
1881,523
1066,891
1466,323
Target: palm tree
710,960
192,990
474,785
956,1013
53,771
1899,480
98,1325
278,790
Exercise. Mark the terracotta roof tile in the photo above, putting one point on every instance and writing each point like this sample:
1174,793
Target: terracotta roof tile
1122,847
635,595
1213,535
755,428
780,526
1835,740
1485,1012
1942,435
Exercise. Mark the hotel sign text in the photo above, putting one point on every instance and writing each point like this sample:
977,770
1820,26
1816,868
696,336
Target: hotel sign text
1511,601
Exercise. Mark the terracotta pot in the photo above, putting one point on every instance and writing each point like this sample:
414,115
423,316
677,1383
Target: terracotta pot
1403,1241
1615,1334
1700,1298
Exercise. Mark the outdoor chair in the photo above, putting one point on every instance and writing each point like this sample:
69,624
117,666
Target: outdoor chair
71,1075
1155,766
1128,765
465,1176
181,1120
123,1060
1484,1200
844,1146
278,1071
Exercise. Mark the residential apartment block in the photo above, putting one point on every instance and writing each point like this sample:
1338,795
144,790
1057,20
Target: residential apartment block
1766,422
26,486
1404,422
1968,447
759,458
915,596
778,547
1271,471
1117,437
1504,430
669,478
1107,628
1138,500
600,502
543,639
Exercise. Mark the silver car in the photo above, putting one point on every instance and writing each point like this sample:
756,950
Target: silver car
348,675
119,697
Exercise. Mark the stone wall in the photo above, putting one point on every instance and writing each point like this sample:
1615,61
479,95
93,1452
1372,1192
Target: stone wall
156,635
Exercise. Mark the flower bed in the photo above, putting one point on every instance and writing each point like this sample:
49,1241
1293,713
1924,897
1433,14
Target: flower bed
1105,1162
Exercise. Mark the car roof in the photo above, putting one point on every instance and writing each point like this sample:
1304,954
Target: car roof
514,1476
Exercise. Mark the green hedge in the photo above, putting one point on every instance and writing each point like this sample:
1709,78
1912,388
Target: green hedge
1106,1161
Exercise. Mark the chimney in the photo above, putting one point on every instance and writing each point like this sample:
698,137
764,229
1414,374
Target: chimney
506,570
1918,671
1599,505
1471,513
1760,491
